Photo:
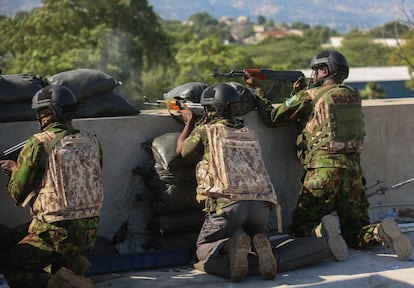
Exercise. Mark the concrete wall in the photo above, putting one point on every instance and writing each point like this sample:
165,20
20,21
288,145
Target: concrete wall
388,156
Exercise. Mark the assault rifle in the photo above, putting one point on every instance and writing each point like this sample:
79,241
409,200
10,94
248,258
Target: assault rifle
278,77
177,105
13,152
382,189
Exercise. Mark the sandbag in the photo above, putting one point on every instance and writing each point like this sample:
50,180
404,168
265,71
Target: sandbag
19,87
247,98
109,104
189,91
173,176
16,112
163,150
85,82
178,197
173,223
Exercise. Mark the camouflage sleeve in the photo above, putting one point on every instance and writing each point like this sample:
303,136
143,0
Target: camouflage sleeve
30,169
289,111
193,144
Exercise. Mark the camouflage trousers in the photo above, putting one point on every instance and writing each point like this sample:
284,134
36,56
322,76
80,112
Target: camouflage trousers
46,248
326,190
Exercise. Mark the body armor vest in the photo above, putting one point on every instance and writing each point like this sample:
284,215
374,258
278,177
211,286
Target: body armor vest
235,169
336,123
71,187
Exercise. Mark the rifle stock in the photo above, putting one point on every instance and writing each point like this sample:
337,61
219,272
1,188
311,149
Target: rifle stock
13,152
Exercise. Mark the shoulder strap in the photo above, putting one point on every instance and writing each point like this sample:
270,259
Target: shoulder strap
321,92
52,143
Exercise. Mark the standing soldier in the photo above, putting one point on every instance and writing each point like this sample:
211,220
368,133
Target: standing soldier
330,138
58,174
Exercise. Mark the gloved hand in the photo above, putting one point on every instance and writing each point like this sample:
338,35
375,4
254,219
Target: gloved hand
8,166
251,80
299,85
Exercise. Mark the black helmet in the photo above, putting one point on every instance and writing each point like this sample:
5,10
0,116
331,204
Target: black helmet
336,62
60,98
224,99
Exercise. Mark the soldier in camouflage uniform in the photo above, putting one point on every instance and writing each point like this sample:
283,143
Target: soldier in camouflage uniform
65,219
234,221
330,138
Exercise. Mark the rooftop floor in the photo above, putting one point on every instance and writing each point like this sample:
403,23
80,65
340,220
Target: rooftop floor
375,267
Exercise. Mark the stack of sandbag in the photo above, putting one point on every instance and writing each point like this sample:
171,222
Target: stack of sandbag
190,91
16,92
94,91
247,98
176,215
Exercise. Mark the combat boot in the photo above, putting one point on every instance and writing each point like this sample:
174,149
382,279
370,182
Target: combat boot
329,228
392,237
238,247
65,278
267,262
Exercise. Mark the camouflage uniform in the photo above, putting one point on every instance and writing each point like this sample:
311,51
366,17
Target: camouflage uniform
46,246
332,181
225,218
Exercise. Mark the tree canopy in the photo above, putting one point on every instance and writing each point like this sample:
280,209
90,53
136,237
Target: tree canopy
129,41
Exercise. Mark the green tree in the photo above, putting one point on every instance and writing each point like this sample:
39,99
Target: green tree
361,50
291,52
319,34
197,59
261,20
118,37
372,90
389,30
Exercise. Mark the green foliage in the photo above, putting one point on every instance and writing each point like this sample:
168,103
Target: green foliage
361,51
301,26
197,59
261,20
373,90
127,40
393,29
118,37
198,26
282,53
319,35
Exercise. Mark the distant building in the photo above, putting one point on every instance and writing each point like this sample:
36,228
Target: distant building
336,42
261,33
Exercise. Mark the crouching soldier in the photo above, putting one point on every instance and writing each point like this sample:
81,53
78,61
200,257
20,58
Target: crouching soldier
58,174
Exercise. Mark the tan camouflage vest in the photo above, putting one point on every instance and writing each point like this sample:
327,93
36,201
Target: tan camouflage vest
71,187
336,125
235,169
